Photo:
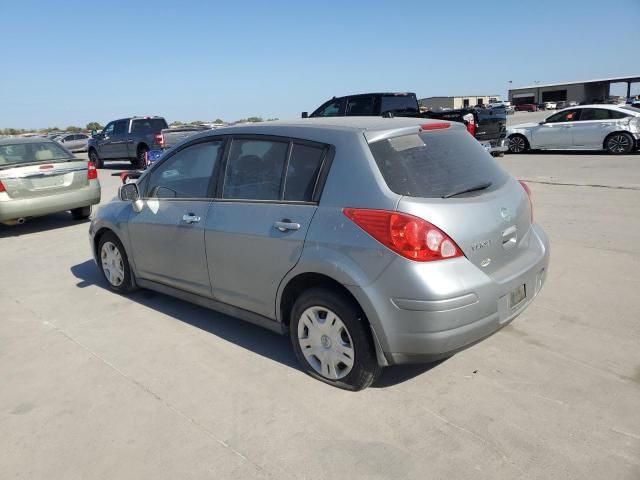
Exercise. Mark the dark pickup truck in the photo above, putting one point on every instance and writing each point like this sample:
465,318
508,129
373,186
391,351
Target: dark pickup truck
128,138
487,125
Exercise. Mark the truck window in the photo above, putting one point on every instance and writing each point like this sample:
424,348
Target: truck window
329,109
148,125
399,104
120,128
360,106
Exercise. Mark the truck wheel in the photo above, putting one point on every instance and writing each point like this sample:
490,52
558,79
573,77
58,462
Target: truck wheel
139,161
97,161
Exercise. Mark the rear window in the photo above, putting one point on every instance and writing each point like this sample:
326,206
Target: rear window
37,152
435,164
399,104
148,125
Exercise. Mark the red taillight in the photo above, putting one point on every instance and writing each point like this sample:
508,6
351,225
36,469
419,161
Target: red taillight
409,236
92,173
529,195
435,126
2,189
159,139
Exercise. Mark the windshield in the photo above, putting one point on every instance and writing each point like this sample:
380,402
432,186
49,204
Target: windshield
436,164
36,152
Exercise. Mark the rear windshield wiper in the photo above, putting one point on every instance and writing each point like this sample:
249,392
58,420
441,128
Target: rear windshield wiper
475,188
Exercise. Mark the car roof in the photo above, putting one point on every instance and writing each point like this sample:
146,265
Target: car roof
368,125
22,140
606,106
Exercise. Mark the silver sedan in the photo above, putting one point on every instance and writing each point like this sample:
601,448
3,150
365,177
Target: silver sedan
75,142
613,128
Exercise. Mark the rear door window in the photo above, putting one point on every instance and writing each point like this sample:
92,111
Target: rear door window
359,106
254,169
594,114
435,164
398,104
302,172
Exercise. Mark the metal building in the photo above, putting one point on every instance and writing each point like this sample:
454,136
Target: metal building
460,101
586,91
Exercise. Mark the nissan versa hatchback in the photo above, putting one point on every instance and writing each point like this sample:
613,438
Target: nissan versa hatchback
370,241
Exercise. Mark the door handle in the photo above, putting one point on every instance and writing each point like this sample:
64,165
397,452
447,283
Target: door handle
286,225
190,218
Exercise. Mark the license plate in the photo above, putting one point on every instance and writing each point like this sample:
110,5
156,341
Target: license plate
48,182
517,296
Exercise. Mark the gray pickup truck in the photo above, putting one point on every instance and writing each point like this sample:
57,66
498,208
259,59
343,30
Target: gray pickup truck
127,138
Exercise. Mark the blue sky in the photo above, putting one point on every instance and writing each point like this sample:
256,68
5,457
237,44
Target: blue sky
71,62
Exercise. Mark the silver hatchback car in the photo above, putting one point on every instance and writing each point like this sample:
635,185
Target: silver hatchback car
371,241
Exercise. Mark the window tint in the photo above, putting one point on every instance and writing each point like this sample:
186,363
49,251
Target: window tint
615,115
434,164
254,169
566,116
148,125
186,174
302,172
594,114
108,130
329,109
359,106
120,128
399,103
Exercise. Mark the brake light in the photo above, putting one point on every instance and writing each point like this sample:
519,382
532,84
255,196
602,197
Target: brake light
435,126
92,173
409,236
159,139
529,195
2,189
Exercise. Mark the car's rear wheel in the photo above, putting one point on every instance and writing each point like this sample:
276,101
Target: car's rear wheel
518,144
81,213
114,263
95,158
332,341
619,143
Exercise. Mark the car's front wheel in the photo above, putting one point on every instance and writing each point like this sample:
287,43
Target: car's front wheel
619,143
115,264
518,144
331,340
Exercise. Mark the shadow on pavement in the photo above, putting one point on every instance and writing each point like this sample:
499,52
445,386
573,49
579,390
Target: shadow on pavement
40,224
251,337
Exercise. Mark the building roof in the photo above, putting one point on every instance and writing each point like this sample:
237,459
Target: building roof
632,78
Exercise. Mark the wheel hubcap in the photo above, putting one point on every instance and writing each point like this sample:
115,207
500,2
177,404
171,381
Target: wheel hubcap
619,143
326,343
112,264
516,144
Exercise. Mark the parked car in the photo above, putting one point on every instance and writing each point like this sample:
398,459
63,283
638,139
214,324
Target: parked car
75,142
488,126
336,232
588,127
39,176
526,107
550,105
541,106
127,138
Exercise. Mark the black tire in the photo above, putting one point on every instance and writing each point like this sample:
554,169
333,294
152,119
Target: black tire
139,161
365,369
127,284
95,158
81,213
518,143
619,143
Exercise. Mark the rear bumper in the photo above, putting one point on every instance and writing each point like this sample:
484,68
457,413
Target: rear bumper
33,207
465,305
499,145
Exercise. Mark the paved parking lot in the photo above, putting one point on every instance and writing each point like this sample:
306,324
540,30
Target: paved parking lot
95,385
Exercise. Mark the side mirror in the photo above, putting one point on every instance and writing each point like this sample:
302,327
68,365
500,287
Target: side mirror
305,114
128,192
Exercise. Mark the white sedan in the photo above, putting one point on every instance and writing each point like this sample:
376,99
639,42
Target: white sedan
613,128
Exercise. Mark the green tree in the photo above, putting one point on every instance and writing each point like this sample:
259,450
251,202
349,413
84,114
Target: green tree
196,122
72,128
176,123
254,119
94,126
218,120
